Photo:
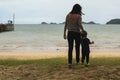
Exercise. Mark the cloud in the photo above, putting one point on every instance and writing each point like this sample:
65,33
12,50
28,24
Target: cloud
55,10
101,10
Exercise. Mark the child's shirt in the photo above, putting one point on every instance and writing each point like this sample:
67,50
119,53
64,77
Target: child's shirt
85,45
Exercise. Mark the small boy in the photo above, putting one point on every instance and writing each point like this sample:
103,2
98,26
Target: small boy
85,47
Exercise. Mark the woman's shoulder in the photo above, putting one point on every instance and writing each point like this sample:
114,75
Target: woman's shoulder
73,15
68,15
78,15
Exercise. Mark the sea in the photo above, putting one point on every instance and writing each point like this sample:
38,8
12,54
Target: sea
49,38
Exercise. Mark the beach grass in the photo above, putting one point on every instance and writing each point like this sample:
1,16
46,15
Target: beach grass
15,62
101,68
93,61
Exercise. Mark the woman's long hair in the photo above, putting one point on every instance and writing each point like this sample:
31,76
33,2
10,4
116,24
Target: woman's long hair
77,9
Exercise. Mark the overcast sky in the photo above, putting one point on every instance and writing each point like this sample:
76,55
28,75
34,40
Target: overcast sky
37,11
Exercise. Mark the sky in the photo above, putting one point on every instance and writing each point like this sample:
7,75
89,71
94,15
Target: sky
37,11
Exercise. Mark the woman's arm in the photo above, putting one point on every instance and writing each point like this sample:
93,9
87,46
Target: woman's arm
81,27
65,28
80,23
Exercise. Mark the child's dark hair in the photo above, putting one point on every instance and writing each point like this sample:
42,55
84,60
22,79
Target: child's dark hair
84,33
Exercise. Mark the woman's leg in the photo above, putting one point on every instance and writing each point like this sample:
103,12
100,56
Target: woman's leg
83,58
77,47
70,46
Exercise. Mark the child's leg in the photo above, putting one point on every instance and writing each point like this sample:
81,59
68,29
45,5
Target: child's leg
87,58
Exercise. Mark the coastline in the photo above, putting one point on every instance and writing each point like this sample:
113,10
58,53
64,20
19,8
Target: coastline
41,55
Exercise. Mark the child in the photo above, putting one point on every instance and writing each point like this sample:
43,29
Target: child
85,47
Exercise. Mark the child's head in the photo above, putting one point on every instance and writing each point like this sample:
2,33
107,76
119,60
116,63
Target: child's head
84,34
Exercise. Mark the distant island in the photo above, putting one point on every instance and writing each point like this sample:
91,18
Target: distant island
48,23
91,22
114,21
44,23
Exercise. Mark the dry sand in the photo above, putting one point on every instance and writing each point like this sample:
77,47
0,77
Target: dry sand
34,55
29,55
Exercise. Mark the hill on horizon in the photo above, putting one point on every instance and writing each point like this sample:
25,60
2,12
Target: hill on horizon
114,21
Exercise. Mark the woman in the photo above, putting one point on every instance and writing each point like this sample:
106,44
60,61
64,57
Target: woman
73,24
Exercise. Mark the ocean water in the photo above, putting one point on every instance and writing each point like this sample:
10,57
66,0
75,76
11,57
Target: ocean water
49,38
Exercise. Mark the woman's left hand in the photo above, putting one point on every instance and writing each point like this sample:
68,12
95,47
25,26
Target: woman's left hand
65,37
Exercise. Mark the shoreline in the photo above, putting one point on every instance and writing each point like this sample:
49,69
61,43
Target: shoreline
42,55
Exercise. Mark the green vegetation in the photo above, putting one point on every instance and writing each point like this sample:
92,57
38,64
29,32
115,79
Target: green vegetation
13,62
94,61
57,69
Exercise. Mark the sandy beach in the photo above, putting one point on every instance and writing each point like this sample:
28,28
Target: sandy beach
39,55
58,70
29,55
